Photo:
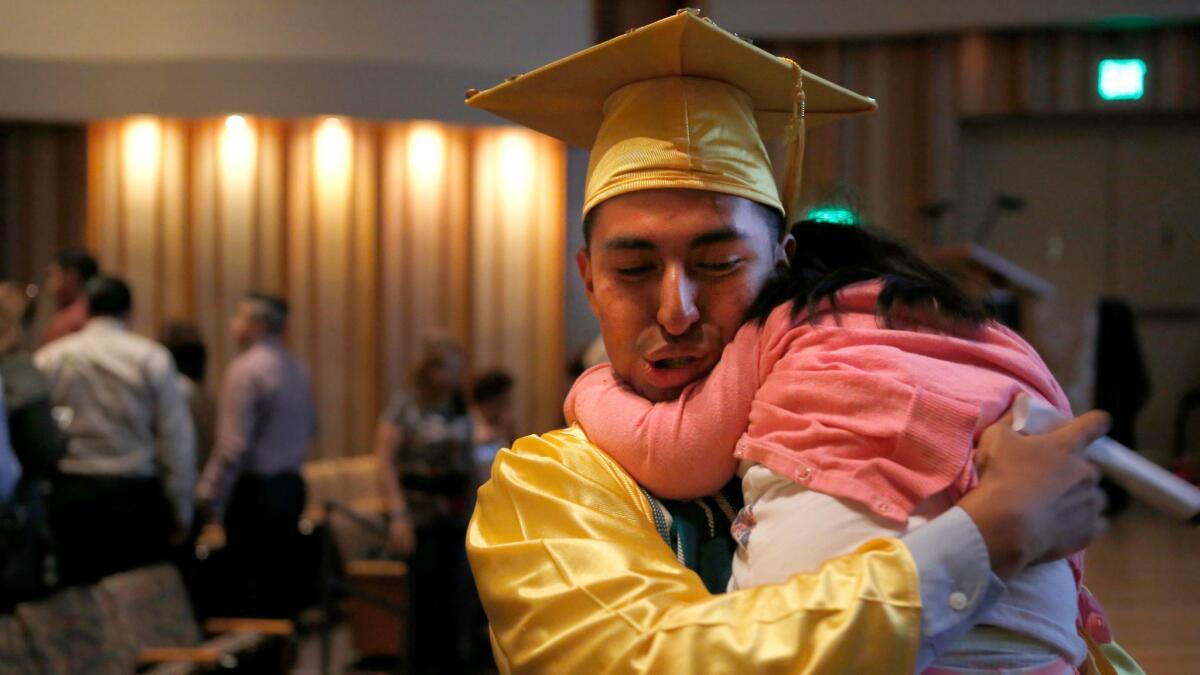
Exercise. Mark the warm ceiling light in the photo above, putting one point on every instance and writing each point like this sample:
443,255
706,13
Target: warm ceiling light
235,123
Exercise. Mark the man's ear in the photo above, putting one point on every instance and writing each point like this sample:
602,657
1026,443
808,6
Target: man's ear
785,250
583,260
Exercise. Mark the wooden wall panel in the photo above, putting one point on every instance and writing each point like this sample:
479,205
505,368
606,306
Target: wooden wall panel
43,186
379,235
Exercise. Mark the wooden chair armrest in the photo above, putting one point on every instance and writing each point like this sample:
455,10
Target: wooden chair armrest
206,655
274,627
377,568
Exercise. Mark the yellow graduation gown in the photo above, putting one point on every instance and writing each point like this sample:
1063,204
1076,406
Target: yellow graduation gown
576,579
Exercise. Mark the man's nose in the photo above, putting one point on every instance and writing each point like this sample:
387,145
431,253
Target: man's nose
677,311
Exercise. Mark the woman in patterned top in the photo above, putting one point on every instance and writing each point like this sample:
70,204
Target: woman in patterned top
423,444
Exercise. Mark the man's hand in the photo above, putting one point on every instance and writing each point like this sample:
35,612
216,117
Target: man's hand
1038,498
211,537
402,537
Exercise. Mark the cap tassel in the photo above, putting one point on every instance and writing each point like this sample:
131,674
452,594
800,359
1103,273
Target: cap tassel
794,139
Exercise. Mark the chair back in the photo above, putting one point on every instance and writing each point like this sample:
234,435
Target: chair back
15,655
69,633
149,607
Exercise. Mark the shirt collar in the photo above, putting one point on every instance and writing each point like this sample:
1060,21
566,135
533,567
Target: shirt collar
106,323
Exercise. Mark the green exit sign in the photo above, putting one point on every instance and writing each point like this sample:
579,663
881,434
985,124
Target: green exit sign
1122,79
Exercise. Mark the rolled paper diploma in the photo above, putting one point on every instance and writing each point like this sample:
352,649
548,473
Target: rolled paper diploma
1144,479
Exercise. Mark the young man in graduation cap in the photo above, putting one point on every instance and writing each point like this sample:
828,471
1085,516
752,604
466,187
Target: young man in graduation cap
568,551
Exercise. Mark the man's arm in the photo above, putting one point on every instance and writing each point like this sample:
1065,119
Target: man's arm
401,533
176,440
575,578
573,575
235,419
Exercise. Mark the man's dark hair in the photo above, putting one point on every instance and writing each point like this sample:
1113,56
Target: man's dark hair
108,296
183,340
491,386
829,257
272,310
78,261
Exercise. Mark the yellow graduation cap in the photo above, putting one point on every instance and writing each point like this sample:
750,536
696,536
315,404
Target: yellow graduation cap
679,103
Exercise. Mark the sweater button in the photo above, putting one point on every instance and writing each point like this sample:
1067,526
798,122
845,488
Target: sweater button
804,474
959,601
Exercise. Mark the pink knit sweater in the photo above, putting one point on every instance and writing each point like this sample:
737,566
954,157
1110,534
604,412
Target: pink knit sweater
884,417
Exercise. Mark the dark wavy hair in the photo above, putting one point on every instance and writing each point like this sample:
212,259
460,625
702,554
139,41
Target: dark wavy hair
829,257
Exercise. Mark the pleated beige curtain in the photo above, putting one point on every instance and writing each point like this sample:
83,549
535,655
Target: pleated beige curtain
379,235
908,153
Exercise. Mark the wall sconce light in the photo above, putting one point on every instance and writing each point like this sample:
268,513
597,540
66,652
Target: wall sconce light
237,146
516,161
142,150
333,150
426,153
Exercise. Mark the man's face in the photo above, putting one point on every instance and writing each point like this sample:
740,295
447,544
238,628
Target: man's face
245,327
670,274
62,285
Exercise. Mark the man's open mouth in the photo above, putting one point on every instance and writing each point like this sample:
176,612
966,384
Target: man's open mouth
677,362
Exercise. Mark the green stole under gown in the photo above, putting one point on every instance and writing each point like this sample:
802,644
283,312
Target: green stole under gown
697,530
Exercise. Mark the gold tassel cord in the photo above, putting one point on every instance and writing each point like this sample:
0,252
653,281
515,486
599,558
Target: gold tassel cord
795,139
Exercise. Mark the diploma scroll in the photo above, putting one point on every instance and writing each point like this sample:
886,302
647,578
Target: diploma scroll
1144,479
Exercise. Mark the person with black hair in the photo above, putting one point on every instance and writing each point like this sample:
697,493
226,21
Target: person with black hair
70,271
27,568
183,340
251,485
492,415
123,494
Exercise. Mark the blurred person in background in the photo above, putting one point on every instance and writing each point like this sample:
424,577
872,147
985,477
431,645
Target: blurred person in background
68,274
251,485
27,566
123,495
183,340
423,444
494,421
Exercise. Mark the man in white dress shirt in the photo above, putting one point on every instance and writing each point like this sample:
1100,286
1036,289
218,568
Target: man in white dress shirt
125,486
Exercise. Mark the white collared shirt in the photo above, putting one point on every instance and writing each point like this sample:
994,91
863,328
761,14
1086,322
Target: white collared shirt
123,413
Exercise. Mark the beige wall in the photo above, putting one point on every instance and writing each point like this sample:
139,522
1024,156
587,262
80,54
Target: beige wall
366,58
499,35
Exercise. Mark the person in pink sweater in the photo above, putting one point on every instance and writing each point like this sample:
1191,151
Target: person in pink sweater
850,415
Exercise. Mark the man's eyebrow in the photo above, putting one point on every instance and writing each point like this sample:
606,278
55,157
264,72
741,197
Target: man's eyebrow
720,236
628,244
717,236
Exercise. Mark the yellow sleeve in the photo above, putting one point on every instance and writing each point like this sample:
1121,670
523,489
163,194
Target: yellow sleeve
575,578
